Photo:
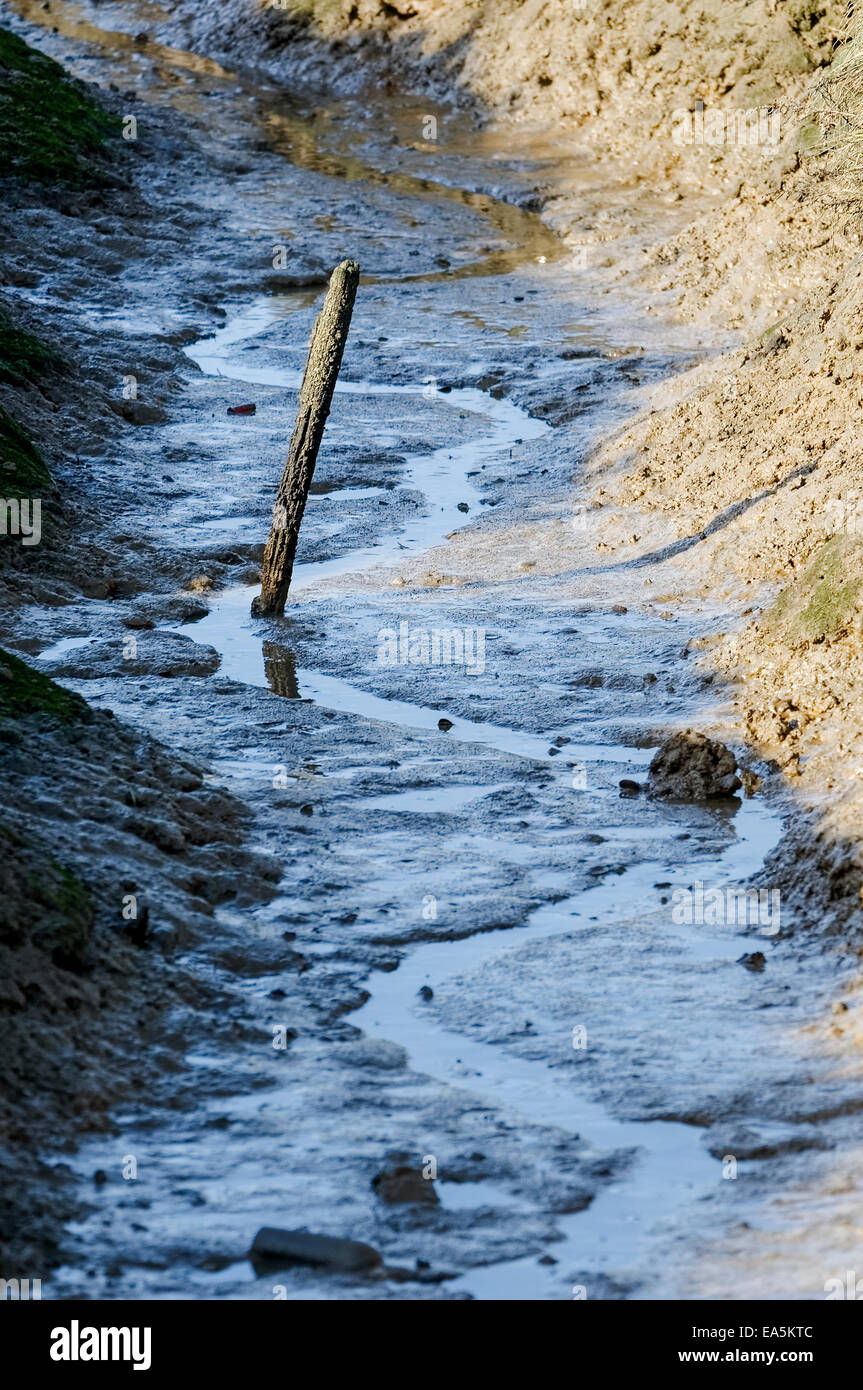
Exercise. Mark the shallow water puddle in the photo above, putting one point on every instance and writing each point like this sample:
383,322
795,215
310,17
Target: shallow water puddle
469,1196
429,799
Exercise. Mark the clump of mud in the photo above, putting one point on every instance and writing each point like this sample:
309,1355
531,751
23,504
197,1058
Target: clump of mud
692,767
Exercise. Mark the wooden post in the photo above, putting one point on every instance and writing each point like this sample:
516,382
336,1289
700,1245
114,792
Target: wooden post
319,382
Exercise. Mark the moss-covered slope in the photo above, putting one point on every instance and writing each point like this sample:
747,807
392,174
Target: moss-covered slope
51,129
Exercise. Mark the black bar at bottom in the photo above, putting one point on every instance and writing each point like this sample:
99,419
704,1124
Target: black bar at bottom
278,1338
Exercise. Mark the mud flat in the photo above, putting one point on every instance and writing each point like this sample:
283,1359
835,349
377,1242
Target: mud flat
443,890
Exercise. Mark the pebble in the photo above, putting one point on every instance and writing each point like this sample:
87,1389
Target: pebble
304,1247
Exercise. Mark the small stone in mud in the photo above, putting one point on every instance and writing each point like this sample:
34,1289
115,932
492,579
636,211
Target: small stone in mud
274,1245
619,608
307,810
422,1273
753,960
547,1260
403,1186
444,724
202,583
425,992
628,787
138,412
214,1264
462,507
691,767
100,1177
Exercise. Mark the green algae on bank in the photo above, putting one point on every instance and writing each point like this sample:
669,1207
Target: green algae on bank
51,129
822,600
24,361
24,691
60,912
22,469
23,357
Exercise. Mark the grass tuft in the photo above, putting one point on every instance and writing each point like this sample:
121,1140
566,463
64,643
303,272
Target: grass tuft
834,118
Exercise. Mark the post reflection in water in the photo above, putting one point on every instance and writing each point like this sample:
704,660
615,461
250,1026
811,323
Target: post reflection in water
280,666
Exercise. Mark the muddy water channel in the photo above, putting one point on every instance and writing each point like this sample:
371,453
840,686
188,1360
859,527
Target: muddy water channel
471,957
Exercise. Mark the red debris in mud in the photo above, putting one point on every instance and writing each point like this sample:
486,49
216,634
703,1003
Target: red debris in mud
242,409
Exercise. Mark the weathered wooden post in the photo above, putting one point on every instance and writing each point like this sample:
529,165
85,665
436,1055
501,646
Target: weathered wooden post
319,382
